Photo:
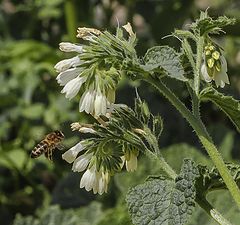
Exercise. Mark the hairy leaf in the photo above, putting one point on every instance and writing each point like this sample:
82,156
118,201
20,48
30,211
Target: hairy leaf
211,180
229,105
164,59
162,201
206,24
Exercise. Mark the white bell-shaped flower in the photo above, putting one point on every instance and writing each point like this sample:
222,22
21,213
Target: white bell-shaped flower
64,77
67,63
89,179
100,104
214,66
73,86
220,77
70,47
72,153
87,101
81,163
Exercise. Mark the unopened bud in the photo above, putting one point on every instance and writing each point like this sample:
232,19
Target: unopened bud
139,131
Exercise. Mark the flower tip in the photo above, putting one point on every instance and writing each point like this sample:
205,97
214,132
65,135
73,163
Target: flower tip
128,28
68,157
70,47
75,126
87,33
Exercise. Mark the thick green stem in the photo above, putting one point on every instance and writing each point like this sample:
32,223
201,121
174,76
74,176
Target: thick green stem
200,44
203,135
203,203
71,21
189,53
195,106
195,102
167,168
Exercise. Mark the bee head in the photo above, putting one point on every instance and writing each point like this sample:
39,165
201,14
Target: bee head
59,133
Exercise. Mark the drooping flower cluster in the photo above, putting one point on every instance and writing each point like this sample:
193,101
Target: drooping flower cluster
94,72
98,166
99,161
92,179
214,66
74,74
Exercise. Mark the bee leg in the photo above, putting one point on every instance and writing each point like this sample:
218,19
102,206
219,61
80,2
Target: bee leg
48,154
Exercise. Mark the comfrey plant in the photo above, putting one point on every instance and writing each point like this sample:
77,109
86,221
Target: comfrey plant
120,134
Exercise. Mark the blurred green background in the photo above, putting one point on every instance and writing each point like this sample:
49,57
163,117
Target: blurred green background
41,192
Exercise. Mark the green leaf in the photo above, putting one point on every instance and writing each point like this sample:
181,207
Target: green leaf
206,24
211,180
164,59
162,201
229,105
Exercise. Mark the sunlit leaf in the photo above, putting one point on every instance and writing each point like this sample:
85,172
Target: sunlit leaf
162,201
165,60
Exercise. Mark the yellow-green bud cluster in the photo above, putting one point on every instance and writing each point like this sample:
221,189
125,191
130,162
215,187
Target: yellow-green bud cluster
212,59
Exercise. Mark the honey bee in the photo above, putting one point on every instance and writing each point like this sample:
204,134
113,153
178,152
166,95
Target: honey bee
50,143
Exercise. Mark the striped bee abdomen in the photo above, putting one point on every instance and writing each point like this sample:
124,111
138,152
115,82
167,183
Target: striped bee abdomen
39,149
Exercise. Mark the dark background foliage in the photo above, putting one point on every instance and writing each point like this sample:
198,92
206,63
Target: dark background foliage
31,104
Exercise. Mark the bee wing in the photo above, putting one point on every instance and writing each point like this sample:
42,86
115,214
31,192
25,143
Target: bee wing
60,147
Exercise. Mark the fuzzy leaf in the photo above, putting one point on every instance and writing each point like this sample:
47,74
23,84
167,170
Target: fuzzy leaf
229,105
162,201
211,179
164,59
208,25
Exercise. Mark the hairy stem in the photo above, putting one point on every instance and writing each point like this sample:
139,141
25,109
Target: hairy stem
195,102
200,44
189,53
203,203
203,136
